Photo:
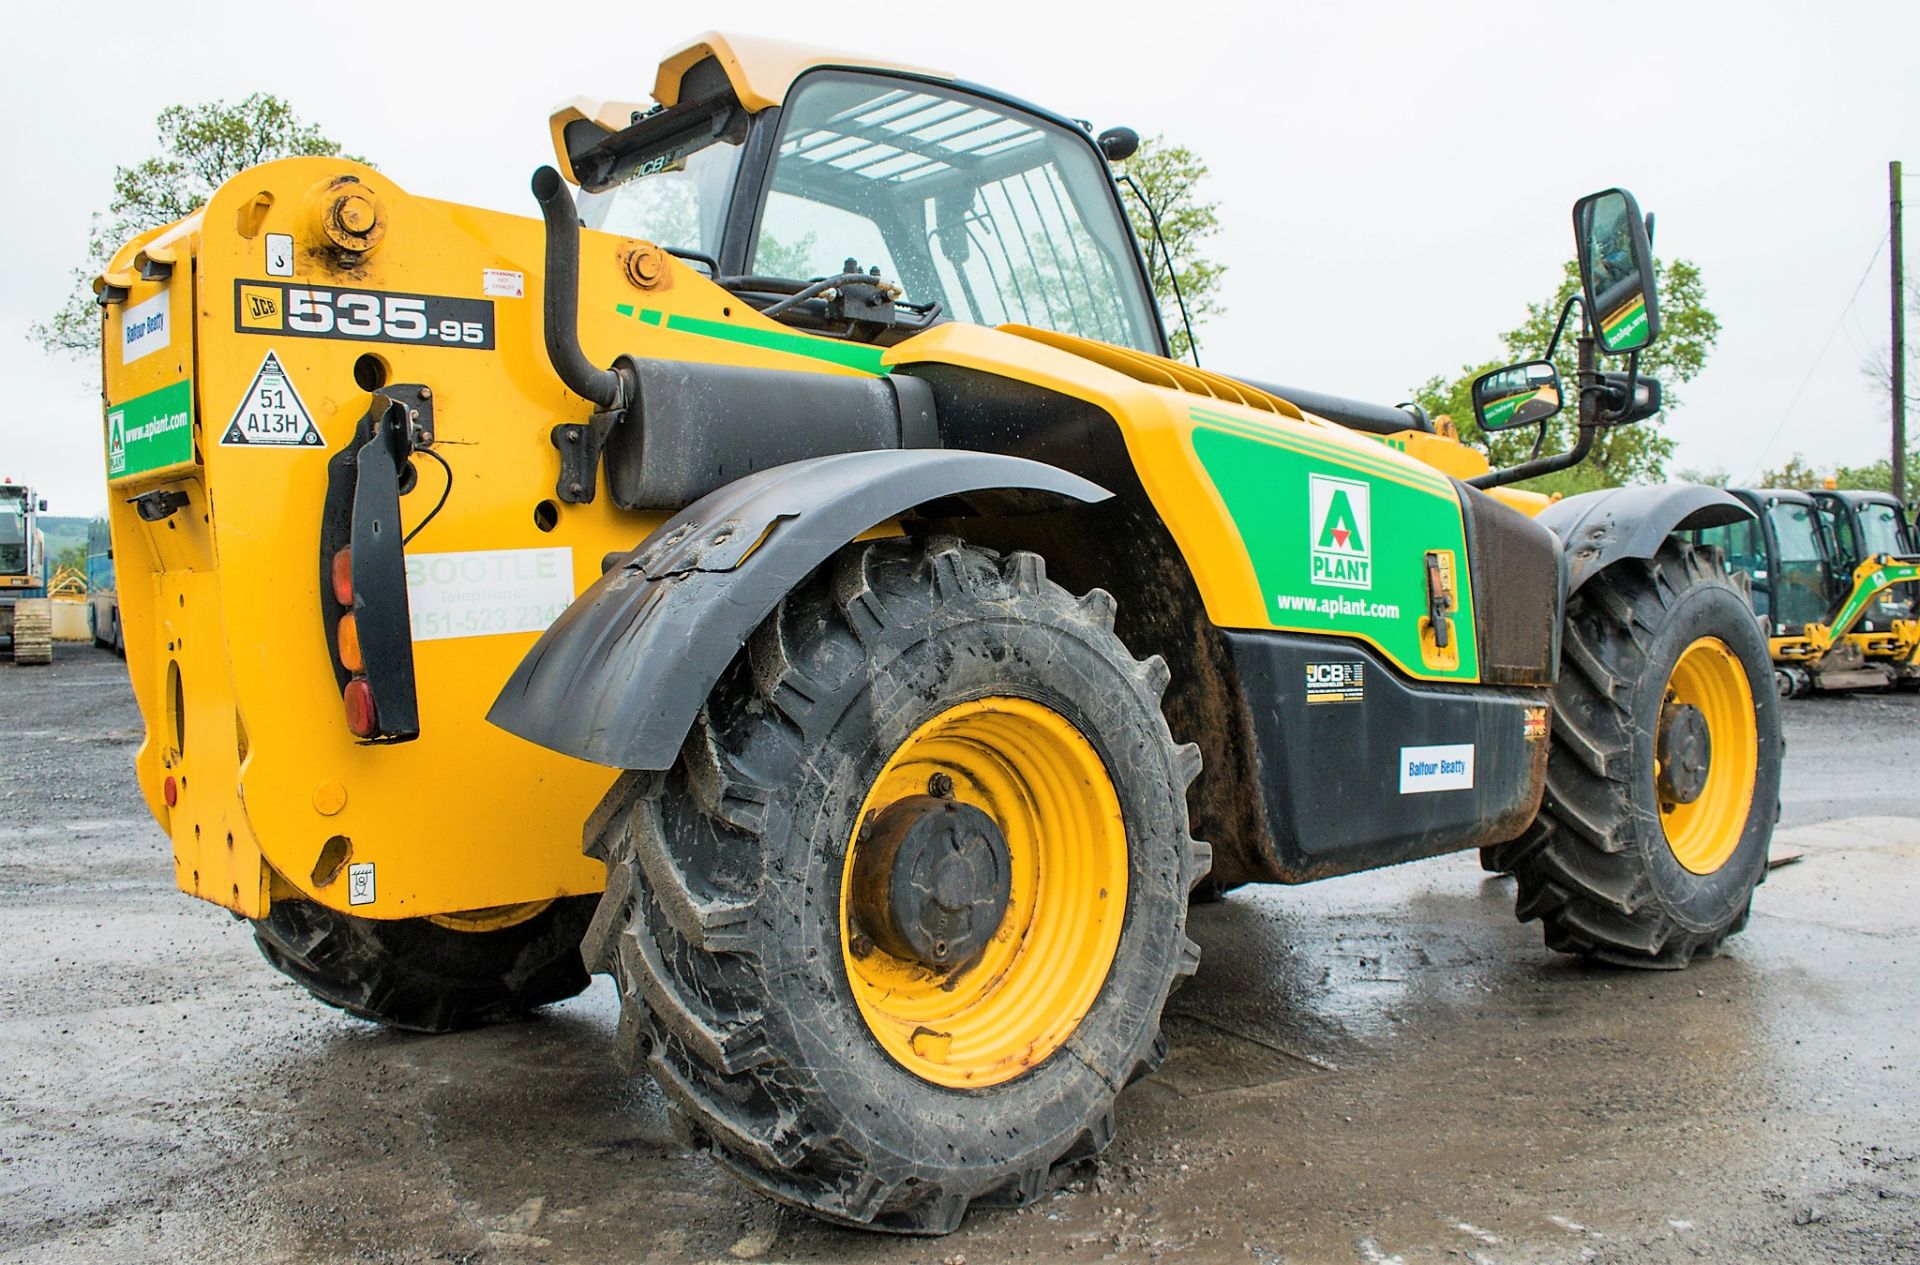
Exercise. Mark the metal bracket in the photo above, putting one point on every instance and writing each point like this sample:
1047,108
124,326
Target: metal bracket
580,446
158,505
412,424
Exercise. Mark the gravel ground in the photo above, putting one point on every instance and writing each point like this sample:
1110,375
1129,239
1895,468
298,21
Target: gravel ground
1379,1069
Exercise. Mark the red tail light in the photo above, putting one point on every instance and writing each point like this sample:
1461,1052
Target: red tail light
169,791
361,716
342,573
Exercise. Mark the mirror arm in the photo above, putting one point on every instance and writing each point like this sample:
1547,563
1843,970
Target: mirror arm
1590,393
1633,389
1559,326
1543,465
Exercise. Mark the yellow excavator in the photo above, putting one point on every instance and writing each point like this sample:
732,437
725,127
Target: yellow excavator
1832,576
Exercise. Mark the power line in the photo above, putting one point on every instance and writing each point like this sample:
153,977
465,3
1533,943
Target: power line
1760,461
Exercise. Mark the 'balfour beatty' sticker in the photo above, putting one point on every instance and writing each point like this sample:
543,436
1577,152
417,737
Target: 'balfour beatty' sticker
271,413
143,328
1448,768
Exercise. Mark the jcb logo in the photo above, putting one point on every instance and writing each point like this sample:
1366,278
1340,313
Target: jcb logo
1325,674
260,307
1340,532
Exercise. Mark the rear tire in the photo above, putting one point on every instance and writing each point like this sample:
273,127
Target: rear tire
416,974
726,917
1598,867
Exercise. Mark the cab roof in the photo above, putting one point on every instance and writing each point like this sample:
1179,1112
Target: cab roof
759,70
1862,496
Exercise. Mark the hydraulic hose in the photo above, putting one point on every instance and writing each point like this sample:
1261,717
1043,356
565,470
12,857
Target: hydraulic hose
561,310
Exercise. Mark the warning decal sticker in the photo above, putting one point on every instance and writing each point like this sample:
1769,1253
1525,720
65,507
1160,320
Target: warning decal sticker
271,413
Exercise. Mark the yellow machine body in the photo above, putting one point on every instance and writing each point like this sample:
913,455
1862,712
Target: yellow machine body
248,762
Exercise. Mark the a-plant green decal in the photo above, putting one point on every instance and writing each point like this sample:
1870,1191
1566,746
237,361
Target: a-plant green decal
860,356
150,431
1863,595
1338,536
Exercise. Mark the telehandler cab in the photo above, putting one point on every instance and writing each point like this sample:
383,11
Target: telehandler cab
826,527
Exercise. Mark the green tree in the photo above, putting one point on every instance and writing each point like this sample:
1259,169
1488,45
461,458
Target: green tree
201,147
1718,477
1874,476
775,258
1169,175
1795,473
1621,454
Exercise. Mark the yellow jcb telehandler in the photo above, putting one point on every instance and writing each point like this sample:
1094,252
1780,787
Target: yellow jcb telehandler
806,513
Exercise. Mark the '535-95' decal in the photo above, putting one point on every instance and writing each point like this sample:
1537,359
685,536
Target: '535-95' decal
376,316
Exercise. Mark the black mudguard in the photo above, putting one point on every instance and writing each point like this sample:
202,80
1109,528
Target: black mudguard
1599,529
620,676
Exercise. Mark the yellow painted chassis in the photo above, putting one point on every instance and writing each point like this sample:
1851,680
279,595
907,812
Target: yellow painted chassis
221,600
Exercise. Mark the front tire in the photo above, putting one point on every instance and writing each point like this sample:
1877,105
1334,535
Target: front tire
431,974
1664,776
826,1065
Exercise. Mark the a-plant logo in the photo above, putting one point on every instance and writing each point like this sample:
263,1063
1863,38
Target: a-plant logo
1341,532
117,441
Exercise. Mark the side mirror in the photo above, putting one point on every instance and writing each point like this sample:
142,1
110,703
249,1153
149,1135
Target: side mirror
1525,394
1616,270
43,505
1119,143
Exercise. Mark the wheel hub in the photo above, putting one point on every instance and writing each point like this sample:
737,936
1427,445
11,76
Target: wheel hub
931,881
1685,753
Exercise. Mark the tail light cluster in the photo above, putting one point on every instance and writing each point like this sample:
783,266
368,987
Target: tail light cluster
362,717
363,570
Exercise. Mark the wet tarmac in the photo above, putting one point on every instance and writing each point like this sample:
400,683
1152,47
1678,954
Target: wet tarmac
1380,1069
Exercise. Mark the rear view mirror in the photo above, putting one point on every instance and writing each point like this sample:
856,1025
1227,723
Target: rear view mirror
1525,394
1616,270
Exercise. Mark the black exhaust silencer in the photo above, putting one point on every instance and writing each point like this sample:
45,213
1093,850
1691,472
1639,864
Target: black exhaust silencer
669,431
561,302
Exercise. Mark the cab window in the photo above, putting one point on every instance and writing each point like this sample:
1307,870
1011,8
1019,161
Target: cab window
994,214
1881,529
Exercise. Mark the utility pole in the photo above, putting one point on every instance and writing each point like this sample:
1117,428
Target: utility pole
1899,339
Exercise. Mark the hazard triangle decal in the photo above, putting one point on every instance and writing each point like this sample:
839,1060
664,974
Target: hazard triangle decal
271,414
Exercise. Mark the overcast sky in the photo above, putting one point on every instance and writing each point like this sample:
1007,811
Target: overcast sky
1394,179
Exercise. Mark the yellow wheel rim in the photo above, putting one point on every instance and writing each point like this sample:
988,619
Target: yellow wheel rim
495,918
1030,770
1704,832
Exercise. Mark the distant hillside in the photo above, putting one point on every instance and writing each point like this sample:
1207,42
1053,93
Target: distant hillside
63,532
